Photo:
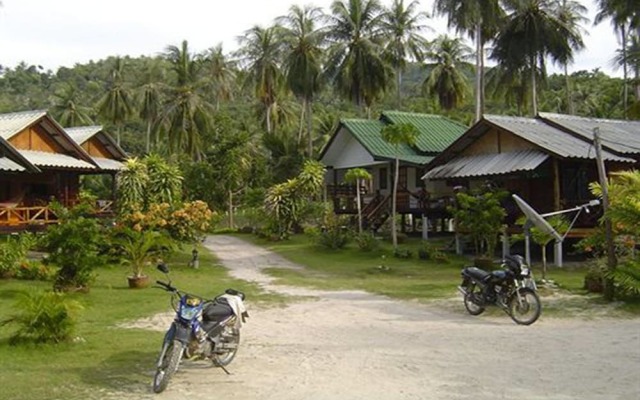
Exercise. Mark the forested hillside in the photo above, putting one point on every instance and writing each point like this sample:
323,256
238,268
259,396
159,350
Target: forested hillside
248,119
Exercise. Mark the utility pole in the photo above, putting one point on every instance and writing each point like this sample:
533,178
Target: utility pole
609,289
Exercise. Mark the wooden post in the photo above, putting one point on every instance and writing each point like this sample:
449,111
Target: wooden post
609,289
556,185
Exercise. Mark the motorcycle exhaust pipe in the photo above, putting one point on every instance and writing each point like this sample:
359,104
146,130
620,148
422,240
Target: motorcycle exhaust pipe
462,290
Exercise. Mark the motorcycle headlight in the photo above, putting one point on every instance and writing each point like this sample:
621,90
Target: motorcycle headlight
524,271
188,313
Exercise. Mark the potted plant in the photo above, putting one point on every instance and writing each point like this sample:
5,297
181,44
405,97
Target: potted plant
138,249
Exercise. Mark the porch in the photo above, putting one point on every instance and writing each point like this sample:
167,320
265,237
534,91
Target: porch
21,218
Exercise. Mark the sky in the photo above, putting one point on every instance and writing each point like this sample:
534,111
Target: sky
59,33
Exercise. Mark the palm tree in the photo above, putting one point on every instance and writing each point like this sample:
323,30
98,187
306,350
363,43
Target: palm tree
303,62
150,98
401,27
186,113
261,52
397,135
67,109
359,176
116,105
532,33
624,15
479,19
447,79
355,63
220,74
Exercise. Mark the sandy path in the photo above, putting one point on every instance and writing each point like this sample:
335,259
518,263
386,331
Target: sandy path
353,345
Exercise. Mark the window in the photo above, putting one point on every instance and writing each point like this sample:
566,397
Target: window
575,184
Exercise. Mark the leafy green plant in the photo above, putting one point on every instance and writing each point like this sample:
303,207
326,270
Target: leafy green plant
32,270
334,234
367,241
74,246
13,253
480,215
139,248
44,317
542,238
429,251
402,253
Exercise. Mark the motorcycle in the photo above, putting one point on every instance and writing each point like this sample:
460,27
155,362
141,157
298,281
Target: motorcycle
202,329
512,288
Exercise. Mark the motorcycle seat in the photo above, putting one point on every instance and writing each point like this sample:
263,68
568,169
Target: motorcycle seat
476,273
217,310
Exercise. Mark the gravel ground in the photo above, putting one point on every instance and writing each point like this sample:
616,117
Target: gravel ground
354,345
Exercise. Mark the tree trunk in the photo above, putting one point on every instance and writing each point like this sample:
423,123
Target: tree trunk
567,82
148,138
359,206
231,209
302,116
544,262
118,135
269,118
310,126
534,91
479,72
394,233
625,74
398,91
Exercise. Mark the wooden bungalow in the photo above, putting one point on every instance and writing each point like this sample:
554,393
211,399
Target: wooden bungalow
105,152
548,161
358,143
39,162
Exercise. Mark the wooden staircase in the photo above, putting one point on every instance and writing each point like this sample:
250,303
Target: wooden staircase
376,212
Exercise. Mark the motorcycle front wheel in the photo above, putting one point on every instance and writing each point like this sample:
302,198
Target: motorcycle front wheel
227,347
168,366
526,308
472,300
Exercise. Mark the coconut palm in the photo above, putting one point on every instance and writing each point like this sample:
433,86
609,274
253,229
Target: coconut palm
116,104
571,13
398,135
261,52
401,26
532,33
67,109
303,59
220,74
359,176
479,19
186,112
447,79
624,15
355,63
150,98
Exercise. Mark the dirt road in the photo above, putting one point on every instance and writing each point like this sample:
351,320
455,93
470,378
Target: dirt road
353,345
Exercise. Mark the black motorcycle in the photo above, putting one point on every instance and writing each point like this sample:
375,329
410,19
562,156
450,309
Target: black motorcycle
511,288
202,329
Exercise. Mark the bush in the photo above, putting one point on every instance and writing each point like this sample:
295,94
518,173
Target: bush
34,271
335,234
74,246
13,253
402,253
45,317
428,251
594,279
366,241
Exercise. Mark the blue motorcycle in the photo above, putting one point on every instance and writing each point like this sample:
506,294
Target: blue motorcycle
202,329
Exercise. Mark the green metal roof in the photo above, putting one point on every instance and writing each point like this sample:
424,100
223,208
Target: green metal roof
369,134
436,132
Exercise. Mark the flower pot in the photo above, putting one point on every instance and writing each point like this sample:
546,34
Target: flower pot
138,282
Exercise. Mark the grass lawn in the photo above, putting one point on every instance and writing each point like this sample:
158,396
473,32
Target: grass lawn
105,358
422,280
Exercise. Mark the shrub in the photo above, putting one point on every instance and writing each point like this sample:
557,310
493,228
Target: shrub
429,251
366,241
13,253
74,246
334,235
402,253
45,317
35,271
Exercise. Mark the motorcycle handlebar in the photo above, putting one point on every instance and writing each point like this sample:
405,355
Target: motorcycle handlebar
166,286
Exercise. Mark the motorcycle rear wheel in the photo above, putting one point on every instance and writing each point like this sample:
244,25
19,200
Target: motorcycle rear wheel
472,307
168,367
527,311
231,339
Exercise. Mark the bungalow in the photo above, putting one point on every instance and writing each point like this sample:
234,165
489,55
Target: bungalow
358,143
39,161
548,161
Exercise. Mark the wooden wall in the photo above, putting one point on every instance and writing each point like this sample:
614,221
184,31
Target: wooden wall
35,138
497,141
95,148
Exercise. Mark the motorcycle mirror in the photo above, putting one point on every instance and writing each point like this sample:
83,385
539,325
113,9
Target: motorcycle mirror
162,267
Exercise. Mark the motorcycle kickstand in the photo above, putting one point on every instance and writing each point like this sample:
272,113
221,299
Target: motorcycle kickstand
225,370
